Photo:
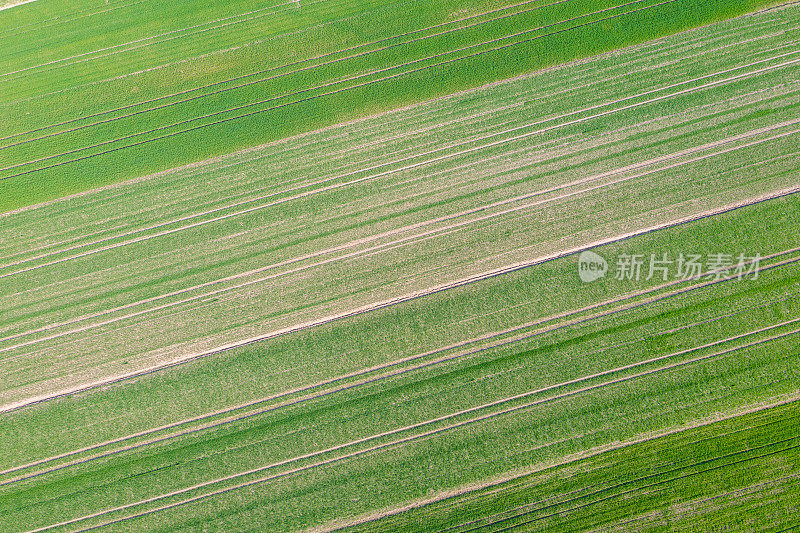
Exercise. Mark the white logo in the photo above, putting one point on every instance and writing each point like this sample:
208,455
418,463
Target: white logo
591,267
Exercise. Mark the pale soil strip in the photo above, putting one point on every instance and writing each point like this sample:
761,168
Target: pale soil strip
415,156
109,238
522,472
373,379
313,97
328,128
294,63
411,438
13,3
489,336
396,300
413,239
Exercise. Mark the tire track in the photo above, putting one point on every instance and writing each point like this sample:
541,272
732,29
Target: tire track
403,440
655,484
41,24
529,508
594,452
460,144
397,300
172,32
744,19
314,97
377,378
405,241
272,69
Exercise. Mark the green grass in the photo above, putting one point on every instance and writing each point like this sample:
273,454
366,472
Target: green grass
41,97
530,381
336,188
242,375
739,471
550,431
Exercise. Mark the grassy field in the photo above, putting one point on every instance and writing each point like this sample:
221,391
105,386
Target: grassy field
381,325
115,100
503,402
399,205
698,478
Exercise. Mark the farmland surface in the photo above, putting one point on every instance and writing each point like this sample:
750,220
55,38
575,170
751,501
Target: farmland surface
380,325
117,89
700,477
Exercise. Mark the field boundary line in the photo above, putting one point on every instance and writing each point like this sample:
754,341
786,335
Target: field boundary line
494,337
412,296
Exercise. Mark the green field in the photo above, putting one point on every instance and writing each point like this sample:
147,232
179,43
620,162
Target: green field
507,401
397,205
698,478
115,100
380,325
